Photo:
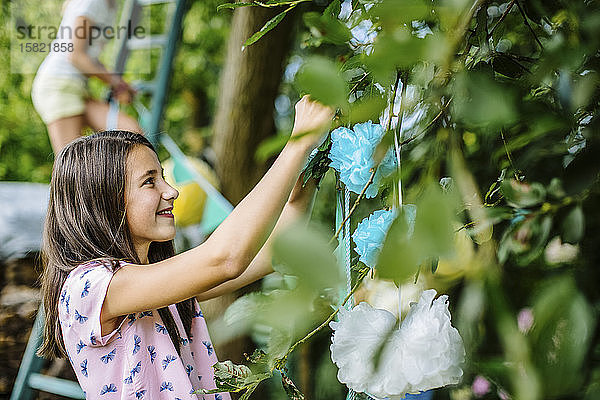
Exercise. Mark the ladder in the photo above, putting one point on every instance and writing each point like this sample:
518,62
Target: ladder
29,379
217,206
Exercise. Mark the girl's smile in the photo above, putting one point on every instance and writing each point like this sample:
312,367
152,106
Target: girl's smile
167,212
148,201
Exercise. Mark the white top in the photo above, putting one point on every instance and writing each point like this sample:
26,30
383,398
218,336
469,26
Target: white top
101,14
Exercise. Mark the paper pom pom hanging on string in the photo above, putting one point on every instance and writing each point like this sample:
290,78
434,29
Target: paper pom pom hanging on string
371,231
352,156
370,234
425,352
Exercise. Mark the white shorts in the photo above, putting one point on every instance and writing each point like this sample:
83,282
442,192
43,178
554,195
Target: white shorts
56,97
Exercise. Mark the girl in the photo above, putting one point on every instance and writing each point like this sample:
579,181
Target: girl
60,94
119,304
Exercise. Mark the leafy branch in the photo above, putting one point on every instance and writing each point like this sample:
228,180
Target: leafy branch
526,20
270,24
361,274
237,378
231,6
504,14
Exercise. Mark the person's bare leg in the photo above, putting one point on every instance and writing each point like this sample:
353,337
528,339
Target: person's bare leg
96,113
65,130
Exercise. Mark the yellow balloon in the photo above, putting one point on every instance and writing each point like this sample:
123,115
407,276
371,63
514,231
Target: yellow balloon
188,208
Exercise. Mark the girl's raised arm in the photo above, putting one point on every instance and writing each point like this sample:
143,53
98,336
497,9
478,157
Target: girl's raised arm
226,254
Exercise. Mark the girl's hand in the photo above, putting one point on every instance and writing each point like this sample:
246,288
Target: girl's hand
123,92
311,123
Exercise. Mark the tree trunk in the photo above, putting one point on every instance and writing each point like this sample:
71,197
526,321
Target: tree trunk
249,86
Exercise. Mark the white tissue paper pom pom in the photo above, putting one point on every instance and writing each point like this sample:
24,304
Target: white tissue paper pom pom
424,353
358,335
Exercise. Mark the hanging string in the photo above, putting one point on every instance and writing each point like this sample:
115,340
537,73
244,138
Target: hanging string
347,265
397,148
398,138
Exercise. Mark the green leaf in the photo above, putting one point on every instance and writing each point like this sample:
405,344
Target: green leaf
328,28
279,343
525,240
390,52
522,194
321,78
272,23
573,226
479,36
249,391
583,171
555,189
229,371
230,377
481,102
433,236
317,272
333,9
318,166
398,259
434,224
367,108
231,6
398,13
241,314
270,146
507,66
563,327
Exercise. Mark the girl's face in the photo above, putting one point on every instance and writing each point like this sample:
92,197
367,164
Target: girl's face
148,201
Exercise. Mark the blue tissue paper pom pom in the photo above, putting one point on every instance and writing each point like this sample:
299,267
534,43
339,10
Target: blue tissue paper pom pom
370,235
352,156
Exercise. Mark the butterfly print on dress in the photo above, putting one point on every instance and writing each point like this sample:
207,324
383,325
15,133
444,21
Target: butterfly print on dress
130,319
136,343
86,288
85,273
166,386
109,357
80,346
136,369
83,366
168,359
151,350
80,318
209,347
108,389
160,328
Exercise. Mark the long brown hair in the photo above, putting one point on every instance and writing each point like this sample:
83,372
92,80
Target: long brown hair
86,221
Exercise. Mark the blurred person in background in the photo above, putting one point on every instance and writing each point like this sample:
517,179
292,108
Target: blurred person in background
60,89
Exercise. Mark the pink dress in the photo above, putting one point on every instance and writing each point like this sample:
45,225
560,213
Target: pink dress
137,360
